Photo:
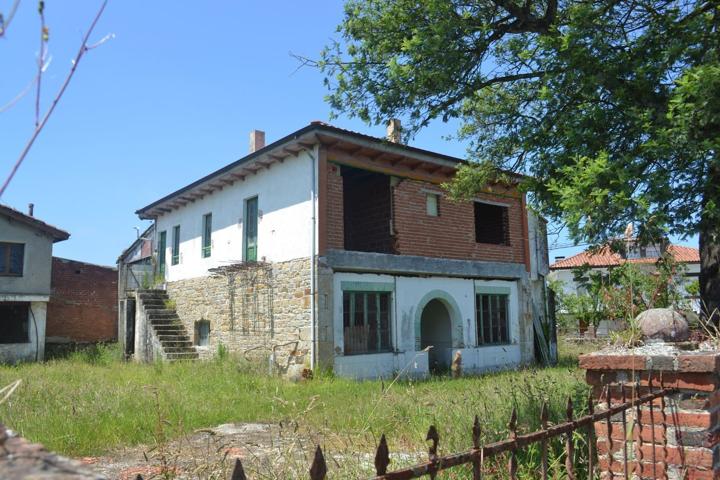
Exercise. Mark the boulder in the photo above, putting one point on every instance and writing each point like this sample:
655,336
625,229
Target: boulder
663,324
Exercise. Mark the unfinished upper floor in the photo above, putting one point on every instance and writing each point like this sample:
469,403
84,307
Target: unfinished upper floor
323,189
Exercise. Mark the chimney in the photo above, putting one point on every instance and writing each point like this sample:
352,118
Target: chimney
31,209
394,131
257,140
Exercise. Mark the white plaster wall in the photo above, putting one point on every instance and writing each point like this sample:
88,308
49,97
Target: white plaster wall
284,223
35,348
409,297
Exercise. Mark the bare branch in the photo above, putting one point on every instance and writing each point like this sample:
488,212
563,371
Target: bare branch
5,22
56,100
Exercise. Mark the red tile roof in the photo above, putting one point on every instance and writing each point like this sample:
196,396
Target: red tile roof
607,258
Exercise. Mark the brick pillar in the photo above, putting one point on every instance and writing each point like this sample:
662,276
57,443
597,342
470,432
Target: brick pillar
683,430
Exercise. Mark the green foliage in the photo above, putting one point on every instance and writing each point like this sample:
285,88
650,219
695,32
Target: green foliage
613,107
170,304
621,293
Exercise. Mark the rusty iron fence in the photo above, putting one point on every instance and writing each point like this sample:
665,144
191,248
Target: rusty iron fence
619,406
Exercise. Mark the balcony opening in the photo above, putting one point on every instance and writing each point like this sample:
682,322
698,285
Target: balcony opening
367,206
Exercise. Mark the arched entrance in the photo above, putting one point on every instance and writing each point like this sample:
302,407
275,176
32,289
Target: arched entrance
436,330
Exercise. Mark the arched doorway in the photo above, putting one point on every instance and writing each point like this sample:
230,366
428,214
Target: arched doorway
436,330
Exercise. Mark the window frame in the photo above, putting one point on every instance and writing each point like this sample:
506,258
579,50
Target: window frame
206,246
246,231
428,196
6,249
505,213
162,252
480,330
175,252
383,341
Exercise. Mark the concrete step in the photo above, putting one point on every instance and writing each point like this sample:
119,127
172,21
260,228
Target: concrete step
153,296
178,349
153,302
178,343
182,356
154,312
173,338
165,321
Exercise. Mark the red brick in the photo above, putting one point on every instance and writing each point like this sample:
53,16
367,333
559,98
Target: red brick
612,362
83,302
699,363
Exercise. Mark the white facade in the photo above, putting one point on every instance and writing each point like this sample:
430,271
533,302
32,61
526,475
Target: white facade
409,297
284,220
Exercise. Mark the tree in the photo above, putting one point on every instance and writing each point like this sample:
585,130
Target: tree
44,36
612,108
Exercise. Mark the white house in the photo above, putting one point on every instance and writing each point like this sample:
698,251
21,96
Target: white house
333,249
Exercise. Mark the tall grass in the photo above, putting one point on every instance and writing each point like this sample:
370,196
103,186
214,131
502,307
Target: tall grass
91,403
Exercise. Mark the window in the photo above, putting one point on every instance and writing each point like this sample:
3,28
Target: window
207,235
491,224
491,314
202,333
176,245
251,229
162,246
366,322
12,256
432,200
14,322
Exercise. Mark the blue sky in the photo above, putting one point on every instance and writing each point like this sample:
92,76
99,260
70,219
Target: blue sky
171,98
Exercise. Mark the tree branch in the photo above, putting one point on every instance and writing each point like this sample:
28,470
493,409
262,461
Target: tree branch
46,117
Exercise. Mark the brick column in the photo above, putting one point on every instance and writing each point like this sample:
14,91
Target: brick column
682,429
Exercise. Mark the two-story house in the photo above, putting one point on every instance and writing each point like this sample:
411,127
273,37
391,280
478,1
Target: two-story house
25,272
333,249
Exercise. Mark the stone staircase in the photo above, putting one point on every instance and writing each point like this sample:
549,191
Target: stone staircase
174,340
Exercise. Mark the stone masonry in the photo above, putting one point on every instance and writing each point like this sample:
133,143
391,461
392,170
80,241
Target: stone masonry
252,309
681,431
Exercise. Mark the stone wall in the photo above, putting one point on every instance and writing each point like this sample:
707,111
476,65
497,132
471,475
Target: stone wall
252,308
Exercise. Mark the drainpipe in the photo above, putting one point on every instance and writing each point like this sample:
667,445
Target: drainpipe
313,322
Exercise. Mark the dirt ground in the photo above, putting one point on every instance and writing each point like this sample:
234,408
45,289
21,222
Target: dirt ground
206,453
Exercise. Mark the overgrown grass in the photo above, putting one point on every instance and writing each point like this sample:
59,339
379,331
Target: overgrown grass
91,402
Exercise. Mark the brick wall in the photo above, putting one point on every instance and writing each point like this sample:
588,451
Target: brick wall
334,198
83,302
681,430
450,235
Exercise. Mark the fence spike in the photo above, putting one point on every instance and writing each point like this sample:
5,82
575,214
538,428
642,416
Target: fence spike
238,472
432,434
512,426
476,432
318,469
623,417
477,462
591,437
569,447
544,443
382,457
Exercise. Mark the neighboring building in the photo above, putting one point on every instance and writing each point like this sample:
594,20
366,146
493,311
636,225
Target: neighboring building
645,257
83,303
135,272
25,274
333,249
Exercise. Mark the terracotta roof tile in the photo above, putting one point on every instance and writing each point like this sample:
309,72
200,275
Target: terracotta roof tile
607,258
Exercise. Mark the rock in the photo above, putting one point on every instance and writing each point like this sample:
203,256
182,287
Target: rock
663,324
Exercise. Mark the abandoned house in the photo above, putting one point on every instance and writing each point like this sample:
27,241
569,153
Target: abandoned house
26,245
333,249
